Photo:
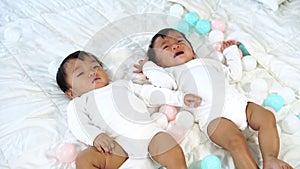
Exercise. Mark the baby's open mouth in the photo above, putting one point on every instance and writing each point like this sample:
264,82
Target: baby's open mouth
97,78
178,53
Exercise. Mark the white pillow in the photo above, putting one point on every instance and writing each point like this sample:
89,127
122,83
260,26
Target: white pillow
271,4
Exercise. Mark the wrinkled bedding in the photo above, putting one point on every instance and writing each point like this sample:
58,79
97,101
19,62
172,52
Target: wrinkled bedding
36,35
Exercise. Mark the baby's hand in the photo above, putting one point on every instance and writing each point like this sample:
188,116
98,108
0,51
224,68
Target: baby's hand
226,44
139,65
192,100
104,143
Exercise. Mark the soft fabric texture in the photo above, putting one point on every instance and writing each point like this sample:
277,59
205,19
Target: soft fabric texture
33,114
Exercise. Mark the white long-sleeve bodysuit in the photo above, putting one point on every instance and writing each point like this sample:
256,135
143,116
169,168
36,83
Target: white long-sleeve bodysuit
209,79
120,110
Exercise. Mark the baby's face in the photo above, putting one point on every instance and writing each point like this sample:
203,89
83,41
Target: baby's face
84,76
172,50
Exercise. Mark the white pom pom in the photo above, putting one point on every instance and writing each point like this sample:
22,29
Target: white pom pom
249,63
176,10
216,36
259,84
257,96
160,119
184,119
290,124
287,94
12,34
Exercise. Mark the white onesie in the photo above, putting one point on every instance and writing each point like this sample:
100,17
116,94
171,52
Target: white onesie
120,111
205,77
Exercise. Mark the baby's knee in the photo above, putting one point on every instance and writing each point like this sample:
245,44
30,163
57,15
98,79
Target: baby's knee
88,159
161,143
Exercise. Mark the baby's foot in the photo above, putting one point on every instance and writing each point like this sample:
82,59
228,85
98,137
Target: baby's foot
274,163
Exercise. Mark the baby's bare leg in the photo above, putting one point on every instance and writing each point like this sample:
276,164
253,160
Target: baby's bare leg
91,158
226,134
166,151
264,122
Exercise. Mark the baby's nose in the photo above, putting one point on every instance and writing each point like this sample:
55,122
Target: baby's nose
92,73
175,46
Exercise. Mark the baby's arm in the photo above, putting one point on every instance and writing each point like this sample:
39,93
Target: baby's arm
79,123
233,67
155,96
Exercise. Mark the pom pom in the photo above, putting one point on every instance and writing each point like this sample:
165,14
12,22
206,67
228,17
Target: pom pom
66,153
249,63
216,36
275,101
191,18
185,120
290,124
259,84
218,24
243,49
287,94
183,27
203,26
176,10
211,162
169,111
217,46
160,119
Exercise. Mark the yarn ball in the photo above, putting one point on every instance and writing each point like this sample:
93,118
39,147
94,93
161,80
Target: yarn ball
243,49
211,162
191,18
218,24
176,10
215,36
183,27
203,26
249,63
287,94
290,124
66,153
275,101
259,84
160,119
184,119
169,111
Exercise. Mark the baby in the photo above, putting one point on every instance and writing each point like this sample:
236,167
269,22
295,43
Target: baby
114,116
224,112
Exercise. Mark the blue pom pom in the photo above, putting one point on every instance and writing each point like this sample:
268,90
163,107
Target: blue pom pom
211,162
243,49
191,18
275,101
183,27
203,26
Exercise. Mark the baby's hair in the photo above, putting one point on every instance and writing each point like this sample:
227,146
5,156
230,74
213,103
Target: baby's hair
61,73
162,33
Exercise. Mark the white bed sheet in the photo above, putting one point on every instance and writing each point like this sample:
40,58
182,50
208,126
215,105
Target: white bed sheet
33,109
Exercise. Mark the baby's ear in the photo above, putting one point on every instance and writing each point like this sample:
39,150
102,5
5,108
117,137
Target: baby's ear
69,93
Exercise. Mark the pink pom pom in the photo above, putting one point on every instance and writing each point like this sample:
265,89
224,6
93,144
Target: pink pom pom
169,111
217,46
66,153
218,24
